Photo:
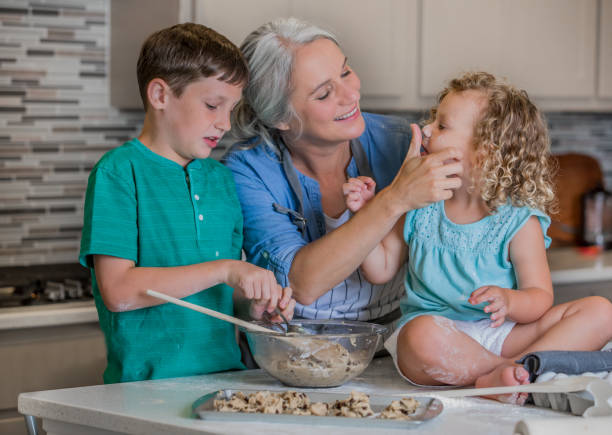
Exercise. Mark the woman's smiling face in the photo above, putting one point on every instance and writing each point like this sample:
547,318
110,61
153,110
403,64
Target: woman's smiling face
325,95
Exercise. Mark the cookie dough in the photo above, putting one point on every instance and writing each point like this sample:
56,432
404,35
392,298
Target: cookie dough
400,409
322,364
357,405
266,402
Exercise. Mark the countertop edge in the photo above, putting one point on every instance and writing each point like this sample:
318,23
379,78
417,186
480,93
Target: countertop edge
29,404
585,275
51,315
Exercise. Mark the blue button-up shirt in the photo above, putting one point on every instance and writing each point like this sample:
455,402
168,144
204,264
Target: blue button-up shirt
271,238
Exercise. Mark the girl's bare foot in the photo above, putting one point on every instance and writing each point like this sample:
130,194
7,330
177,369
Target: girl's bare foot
503,376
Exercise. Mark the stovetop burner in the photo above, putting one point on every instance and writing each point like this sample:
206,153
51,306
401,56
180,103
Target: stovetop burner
44,284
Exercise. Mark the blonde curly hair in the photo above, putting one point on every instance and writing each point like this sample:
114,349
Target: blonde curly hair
511,144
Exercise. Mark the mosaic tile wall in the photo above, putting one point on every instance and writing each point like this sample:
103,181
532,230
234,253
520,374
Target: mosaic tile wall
56,122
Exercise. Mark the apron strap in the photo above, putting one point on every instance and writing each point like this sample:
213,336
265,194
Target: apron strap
297,216
292,177
361,160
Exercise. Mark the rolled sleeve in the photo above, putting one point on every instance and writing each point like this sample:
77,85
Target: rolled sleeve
271,240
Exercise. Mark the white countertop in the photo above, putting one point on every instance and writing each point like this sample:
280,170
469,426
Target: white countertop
164,406
64,313
576,265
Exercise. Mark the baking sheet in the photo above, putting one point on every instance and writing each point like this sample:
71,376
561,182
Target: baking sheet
429,407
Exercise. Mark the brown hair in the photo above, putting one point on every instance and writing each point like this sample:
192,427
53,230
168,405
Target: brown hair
187,52
511,144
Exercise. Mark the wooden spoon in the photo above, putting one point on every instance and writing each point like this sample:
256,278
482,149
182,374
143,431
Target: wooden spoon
213,313
564,385
307,347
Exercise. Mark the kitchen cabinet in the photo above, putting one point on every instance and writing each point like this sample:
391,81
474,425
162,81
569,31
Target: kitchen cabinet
223,16
50,352
404,51
547,47
130,23
605,49
371,47
379,53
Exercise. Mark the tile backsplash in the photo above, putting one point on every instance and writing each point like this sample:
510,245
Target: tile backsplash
56,121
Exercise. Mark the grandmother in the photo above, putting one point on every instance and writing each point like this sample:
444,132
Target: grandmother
297,136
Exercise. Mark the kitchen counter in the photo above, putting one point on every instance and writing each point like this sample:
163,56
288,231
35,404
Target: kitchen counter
63,313
573,265
164,407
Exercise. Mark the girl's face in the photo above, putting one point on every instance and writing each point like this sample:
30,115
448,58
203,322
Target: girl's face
325,95
456,117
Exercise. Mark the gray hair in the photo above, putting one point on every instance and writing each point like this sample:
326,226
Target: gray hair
270,52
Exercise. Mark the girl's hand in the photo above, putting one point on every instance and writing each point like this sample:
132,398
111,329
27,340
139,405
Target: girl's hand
358,191
286,304
499,302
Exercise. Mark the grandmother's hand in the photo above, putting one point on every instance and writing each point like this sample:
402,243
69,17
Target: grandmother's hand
423,180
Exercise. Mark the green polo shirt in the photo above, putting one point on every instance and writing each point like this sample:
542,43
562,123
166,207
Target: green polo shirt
143,207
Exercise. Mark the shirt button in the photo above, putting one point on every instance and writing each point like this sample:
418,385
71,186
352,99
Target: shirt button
197,197
201,217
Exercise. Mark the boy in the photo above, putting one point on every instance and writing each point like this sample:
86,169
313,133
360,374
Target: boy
160,215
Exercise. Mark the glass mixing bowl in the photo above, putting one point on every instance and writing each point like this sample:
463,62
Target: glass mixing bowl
330,353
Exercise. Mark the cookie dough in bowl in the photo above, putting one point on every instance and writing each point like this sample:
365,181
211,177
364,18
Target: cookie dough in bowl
330,354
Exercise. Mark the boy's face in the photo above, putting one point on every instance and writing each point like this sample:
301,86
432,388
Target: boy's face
197,120
456,117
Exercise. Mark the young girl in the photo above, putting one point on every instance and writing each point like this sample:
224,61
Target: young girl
478,287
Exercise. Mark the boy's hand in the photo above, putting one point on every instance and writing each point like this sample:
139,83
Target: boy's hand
358,191
252,282
259,285
499,302
286,304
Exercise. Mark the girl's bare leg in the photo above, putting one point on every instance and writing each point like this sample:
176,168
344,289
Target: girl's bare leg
583,324
431,351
